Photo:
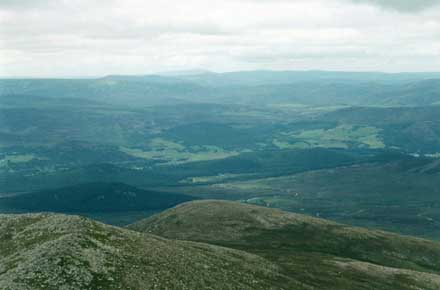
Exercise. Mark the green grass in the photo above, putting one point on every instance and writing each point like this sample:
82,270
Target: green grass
22,158
316,256
433,155
296,145
316,253
170,152
342,136
396,196
214,178
163,144
66,252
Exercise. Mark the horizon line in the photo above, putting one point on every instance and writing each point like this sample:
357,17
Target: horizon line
196,72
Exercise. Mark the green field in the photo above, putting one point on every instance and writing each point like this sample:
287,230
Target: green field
174,153
342,136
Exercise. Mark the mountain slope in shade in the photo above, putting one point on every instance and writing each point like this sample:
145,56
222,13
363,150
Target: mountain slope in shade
315,252
53,252
93,197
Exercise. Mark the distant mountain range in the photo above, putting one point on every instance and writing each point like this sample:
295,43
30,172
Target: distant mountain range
252,87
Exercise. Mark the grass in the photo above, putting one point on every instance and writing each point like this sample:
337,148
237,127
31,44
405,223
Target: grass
214,178
170,152
342,136
163,144
21,158
297,145
316,253
377,196
77,253
433,155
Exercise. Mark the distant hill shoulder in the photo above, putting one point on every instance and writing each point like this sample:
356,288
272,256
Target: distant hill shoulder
309,249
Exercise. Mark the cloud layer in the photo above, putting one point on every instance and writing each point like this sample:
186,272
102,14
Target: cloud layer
85,37
410,6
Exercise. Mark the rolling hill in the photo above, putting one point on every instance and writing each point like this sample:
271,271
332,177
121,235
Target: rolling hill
315,252
210,245
398,194
52,252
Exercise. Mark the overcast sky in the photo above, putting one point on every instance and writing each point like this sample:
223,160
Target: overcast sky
98,37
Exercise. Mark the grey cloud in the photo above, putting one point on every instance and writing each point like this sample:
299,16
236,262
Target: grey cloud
402,5
22,3
132,36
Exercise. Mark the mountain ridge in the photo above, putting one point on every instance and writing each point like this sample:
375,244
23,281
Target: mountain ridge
328,253
51,252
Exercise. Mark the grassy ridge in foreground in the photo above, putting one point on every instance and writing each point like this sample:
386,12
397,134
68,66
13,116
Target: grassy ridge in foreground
54,252
313,251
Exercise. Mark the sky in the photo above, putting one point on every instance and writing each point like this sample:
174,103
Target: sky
72,38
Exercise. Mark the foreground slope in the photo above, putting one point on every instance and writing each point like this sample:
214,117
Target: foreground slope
314,252
40,251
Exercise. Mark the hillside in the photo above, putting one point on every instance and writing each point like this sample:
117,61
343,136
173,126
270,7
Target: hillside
313,251
410,129
249,247
395,195
93,197
52,252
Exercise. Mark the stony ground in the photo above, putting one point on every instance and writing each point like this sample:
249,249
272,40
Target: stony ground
215,245
67,252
